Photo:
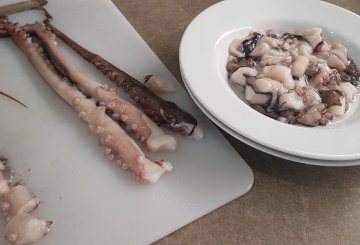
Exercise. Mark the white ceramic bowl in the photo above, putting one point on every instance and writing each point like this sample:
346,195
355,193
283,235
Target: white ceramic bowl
203,56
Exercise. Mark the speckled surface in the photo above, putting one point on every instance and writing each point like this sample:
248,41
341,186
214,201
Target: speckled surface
290,203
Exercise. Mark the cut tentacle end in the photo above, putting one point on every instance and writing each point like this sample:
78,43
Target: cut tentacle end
152,172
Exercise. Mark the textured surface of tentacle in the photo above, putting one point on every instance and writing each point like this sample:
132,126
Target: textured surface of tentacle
160,111
25,229
18,199
119,146
133,119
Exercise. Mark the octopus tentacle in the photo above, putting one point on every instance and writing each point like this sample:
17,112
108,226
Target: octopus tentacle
134,120
118,145
16,203
160,111
25,228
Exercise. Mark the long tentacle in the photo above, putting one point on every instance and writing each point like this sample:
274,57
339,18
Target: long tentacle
133,119
160,111
118,145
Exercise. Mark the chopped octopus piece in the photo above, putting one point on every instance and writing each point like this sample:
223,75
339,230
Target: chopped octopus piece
18,199
338,109
331,97
240,75
299,66
280,73
25,228
349,90
256,98
16,204
291,101
332,60
270,59
294,78
313,36
162,112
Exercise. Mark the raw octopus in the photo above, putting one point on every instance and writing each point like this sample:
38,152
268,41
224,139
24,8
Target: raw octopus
294,78
62,77
17,202
163,112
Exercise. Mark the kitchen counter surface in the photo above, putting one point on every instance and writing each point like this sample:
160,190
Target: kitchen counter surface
290,203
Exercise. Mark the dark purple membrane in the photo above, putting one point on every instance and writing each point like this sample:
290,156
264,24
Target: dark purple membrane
164,113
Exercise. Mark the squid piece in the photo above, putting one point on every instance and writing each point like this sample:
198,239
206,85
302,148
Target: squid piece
118,145
160,111
25,229
159,85
133,119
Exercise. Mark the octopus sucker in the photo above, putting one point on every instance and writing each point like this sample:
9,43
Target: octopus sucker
134,116
294,78
108,131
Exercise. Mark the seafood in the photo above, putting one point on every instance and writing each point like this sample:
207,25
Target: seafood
118,145
294,78
162,112
133,119
16,203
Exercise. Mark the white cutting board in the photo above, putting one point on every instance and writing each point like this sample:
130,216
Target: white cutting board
90,200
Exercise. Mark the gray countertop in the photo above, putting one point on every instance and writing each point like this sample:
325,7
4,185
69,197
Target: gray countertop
290,203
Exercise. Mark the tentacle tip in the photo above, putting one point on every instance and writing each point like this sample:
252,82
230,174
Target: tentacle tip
197,134
161,143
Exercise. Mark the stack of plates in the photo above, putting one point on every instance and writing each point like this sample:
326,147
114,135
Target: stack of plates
203,57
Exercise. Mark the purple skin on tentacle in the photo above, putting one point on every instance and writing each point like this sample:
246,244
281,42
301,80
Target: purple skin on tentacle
133,119
118,145
310,81
162,112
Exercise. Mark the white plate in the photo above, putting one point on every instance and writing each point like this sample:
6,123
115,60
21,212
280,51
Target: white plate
203,55
90,200
271,151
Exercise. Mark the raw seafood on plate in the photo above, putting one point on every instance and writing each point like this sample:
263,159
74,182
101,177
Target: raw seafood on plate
296,78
